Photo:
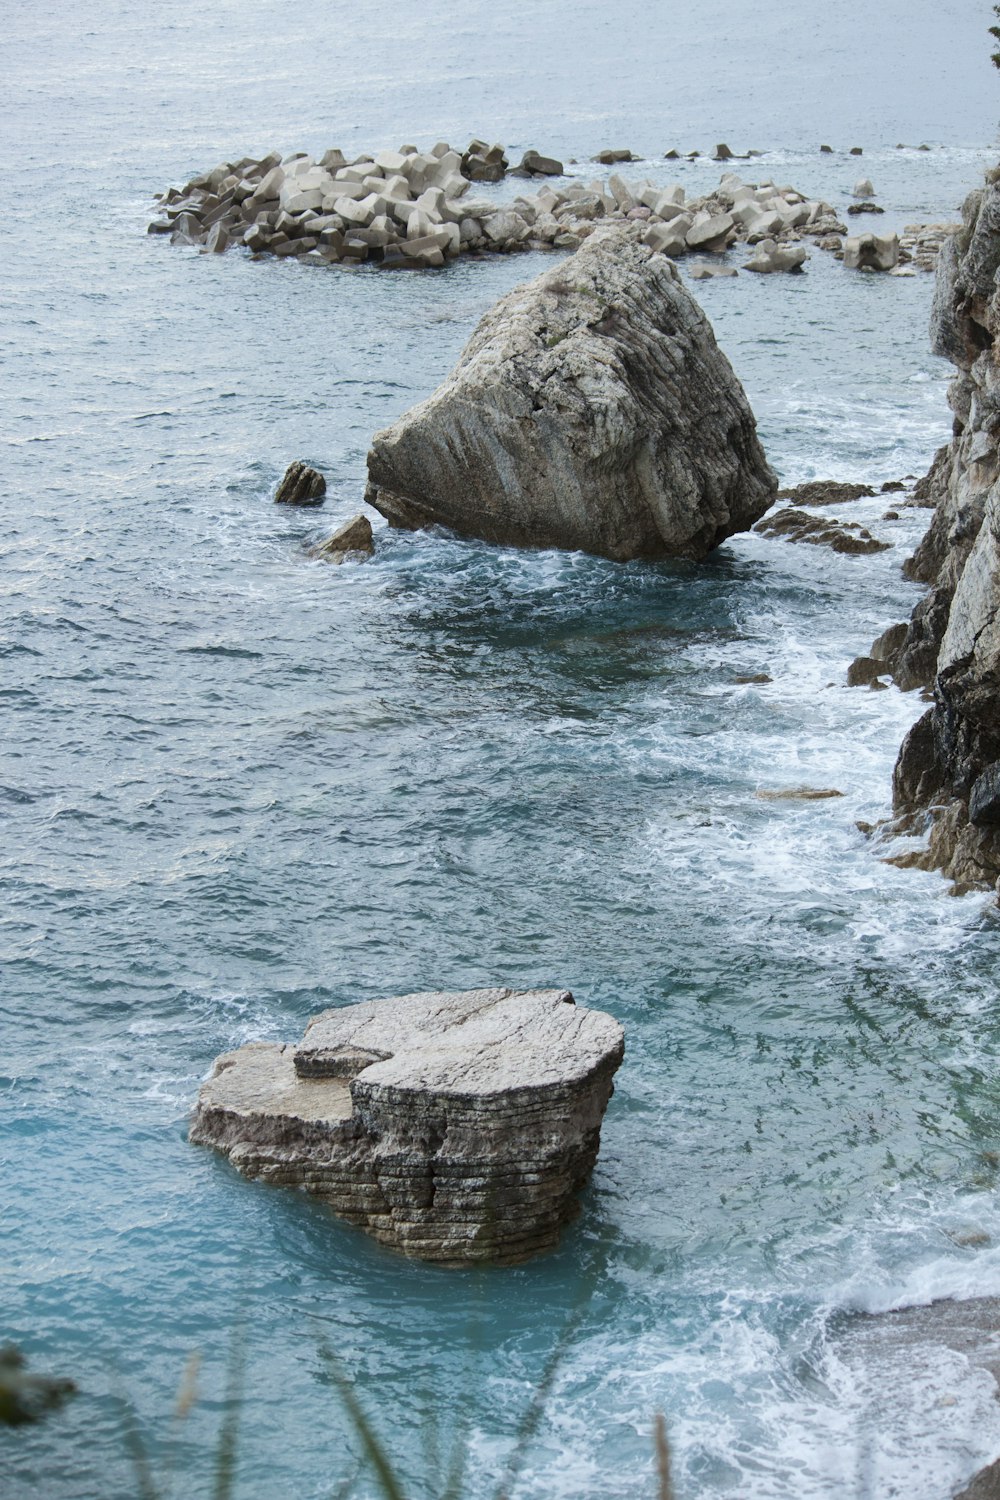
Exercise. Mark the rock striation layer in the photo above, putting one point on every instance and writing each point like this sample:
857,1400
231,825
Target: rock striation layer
591,409
451,1126
948,771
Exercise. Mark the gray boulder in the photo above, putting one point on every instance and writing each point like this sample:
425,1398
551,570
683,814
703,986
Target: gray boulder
592,409
453,1127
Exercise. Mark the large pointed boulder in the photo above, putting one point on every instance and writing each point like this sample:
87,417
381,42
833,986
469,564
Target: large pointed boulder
592,409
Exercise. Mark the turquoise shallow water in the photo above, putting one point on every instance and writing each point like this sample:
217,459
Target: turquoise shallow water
238,786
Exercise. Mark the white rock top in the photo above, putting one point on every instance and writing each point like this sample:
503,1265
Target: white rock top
470,1042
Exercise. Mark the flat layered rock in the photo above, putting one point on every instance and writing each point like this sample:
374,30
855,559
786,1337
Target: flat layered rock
591,410
452,1126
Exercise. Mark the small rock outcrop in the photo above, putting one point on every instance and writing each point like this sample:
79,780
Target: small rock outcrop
454,1127
826,492
301,485
591,409
483,163
820,531
354,538
533,164
948,771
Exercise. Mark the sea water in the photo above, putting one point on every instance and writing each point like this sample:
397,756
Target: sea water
239,785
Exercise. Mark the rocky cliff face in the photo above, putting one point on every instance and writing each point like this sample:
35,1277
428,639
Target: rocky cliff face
454,1127
949,766
591,409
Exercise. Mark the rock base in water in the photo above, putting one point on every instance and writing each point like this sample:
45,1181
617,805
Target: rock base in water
452,1126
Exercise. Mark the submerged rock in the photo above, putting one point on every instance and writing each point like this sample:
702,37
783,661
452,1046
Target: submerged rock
799,794
453,1127
617,154
591,409
799,526
873,1348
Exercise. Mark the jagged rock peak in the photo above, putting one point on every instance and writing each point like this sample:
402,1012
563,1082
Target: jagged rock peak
592,409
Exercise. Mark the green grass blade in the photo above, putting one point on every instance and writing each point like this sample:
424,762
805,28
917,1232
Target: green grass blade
225,1455
529,1423
374,1451
144,1484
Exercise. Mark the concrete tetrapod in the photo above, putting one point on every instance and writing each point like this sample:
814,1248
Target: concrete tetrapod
453,1126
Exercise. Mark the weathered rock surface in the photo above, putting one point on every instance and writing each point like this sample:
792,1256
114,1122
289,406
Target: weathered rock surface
985,1485
825,492
947,765
454,1127
301,485
591,409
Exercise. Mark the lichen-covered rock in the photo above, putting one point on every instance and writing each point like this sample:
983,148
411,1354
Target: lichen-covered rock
452,1126
591,409
946,766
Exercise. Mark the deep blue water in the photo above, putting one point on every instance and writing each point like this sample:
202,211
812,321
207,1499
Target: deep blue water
238,785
